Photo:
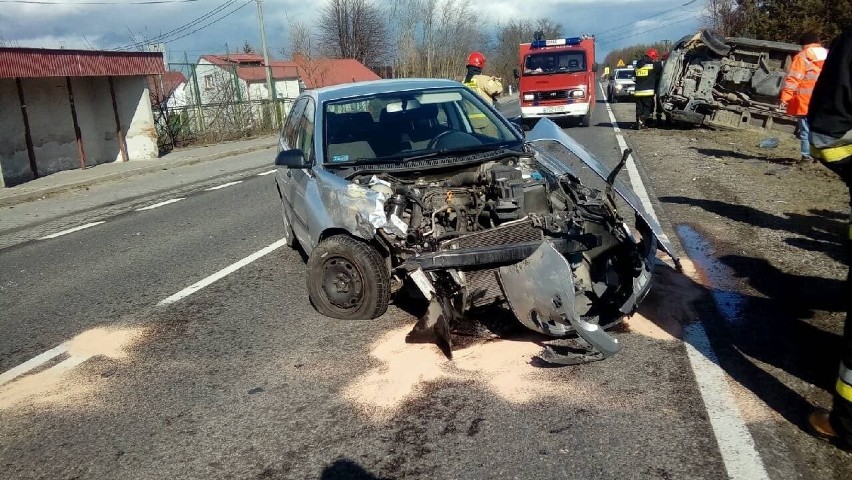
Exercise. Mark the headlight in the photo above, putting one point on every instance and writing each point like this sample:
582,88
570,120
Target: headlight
576,94
618,86
529,97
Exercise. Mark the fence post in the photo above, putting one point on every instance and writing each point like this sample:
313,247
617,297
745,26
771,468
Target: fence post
199,113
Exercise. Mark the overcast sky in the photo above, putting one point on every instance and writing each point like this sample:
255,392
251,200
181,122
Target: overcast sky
69,24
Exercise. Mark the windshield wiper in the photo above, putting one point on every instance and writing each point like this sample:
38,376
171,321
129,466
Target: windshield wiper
479,148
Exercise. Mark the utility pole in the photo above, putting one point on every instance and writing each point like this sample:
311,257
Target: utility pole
269,86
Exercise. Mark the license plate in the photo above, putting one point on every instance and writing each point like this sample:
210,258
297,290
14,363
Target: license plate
556,109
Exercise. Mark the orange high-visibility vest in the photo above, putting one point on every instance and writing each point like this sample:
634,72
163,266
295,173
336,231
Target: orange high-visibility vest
802,77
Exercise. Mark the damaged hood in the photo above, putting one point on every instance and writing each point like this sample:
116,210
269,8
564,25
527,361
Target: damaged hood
546,130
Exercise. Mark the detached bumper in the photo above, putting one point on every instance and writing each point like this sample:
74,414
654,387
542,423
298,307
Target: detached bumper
556,111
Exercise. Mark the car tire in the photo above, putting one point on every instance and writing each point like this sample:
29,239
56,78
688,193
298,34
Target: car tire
348,279
586,120
715,42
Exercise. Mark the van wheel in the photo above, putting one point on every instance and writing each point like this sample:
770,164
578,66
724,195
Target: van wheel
348,279
586,120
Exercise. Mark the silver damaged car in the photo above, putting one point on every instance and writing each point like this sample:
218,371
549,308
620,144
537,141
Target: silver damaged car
421,183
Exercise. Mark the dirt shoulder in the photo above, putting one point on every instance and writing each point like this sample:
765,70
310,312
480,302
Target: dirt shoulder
777,229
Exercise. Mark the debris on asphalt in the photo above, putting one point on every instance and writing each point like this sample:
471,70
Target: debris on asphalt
771,142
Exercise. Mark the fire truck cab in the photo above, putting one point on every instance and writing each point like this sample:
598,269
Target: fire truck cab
556,78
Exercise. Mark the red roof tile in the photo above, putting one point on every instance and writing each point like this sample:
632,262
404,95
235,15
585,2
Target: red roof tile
316,73
323,72
250,67
170,81
42,62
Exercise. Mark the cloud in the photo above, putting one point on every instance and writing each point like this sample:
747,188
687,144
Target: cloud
109,26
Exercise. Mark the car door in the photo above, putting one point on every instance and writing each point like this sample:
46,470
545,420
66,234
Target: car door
301,178
287,141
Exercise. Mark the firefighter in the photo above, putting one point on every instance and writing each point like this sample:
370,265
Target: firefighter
830,118
647,74
796,94
486,86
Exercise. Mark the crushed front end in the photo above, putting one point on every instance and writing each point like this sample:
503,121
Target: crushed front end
519,230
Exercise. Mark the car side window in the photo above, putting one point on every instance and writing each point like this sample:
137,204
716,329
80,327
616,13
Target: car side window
305,140
291,125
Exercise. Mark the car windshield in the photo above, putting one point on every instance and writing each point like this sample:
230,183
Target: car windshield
624,75
555,62
417,123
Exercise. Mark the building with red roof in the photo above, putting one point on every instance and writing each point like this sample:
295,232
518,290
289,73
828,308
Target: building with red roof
219,75
66,109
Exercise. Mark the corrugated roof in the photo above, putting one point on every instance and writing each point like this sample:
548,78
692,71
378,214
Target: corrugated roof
250,67
42,62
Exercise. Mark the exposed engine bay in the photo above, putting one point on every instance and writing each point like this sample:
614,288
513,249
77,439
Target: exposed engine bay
516,229
726,82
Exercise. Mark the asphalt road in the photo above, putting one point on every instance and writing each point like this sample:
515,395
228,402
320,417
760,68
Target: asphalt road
243,379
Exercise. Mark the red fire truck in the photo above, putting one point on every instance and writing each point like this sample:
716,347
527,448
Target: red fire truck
557,78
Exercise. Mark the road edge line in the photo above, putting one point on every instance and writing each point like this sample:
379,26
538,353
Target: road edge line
222,273
736,444
32,363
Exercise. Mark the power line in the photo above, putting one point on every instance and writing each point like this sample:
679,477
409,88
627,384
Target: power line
214,21
662,22
648,17
165,37
95,2
693,17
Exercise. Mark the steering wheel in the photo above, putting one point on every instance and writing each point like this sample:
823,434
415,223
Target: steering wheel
453,139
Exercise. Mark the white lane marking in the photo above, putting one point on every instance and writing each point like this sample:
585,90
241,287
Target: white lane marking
71,230
222,273
224,185
75,360
739,453
735,442
32,363
266,173
157,205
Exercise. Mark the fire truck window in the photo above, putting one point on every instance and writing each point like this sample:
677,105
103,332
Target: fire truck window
555,62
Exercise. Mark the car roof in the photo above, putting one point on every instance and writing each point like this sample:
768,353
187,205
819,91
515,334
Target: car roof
358,89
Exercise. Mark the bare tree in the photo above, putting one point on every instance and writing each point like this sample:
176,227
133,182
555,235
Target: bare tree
432,38
247,47
514,33
301,41
352,29
724,16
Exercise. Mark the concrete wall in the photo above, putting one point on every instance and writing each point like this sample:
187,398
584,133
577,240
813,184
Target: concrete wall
52,128
13,149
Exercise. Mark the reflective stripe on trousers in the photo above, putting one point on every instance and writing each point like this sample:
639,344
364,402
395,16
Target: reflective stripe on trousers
832,154
643,93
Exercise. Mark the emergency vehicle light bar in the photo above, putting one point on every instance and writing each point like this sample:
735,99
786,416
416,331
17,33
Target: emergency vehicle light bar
557,42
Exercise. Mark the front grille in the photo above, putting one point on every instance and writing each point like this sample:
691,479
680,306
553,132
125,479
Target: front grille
551,95
518,231
483,286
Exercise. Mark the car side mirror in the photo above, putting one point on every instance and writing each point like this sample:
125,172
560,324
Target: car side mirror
516,74
595,67
294,158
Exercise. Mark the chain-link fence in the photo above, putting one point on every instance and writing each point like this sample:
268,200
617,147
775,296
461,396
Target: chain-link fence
210,102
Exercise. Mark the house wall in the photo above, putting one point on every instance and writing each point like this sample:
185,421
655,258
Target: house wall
52,128
13,149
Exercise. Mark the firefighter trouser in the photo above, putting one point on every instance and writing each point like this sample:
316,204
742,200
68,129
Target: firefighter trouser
841,414
644,108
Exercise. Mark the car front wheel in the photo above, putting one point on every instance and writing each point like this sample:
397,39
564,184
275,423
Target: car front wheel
348,279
